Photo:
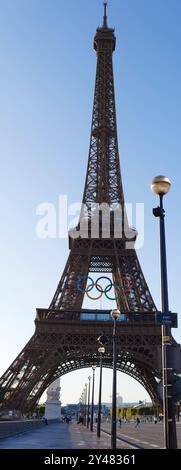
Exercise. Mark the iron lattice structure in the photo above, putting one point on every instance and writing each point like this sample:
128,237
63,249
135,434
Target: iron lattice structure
65,337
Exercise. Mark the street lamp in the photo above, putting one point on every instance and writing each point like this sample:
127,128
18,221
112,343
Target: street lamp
81,414
89,379
115,314
92,406
160,186
85,404
102,340
101,351
79,410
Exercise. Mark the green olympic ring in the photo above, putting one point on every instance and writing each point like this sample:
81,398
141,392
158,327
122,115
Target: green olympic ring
116,296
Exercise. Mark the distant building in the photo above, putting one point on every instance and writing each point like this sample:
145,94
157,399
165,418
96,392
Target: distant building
130,409
119,401
135,409
71,409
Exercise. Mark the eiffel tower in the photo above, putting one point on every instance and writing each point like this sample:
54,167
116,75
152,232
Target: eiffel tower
65,337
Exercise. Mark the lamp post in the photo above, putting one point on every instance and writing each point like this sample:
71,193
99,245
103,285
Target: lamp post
88,406
79,410
92,406
101,351
115,315
160,186
85,404
102,340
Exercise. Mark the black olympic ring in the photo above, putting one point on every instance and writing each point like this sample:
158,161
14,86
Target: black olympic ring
103,277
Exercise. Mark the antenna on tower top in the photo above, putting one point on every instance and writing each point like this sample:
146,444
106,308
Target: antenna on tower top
105,15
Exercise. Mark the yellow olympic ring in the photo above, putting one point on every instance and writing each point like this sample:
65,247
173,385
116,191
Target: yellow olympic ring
95,298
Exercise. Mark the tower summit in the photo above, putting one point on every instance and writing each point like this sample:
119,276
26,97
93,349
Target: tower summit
105,15
103,180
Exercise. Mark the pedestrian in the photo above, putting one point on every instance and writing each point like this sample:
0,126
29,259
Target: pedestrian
137,422
81,419
120,422
45,420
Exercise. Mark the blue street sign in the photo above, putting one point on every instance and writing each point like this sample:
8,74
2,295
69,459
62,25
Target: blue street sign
169,319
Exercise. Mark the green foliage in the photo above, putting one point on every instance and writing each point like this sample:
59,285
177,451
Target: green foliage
41,409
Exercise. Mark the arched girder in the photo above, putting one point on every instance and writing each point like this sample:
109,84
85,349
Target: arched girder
136,371
57,349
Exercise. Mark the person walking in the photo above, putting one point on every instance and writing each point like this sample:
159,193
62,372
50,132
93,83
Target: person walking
45,420
137,422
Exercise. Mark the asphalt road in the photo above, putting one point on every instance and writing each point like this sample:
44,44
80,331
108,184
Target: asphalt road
146,435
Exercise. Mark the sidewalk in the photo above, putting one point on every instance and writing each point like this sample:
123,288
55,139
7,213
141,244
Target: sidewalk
59,436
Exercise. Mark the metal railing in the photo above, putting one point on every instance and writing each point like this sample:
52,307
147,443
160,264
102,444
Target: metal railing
95,315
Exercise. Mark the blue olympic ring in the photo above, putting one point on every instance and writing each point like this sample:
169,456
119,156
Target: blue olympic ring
78,284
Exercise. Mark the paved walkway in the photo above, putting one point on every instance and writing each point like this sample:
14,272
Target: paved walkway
74,436
60,436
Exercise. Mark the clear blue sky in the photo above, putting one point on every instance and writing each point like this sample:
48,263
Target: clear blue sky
47,73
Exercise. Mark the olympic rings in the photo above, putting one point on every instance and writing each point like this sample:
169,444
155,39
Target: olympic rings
119,286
